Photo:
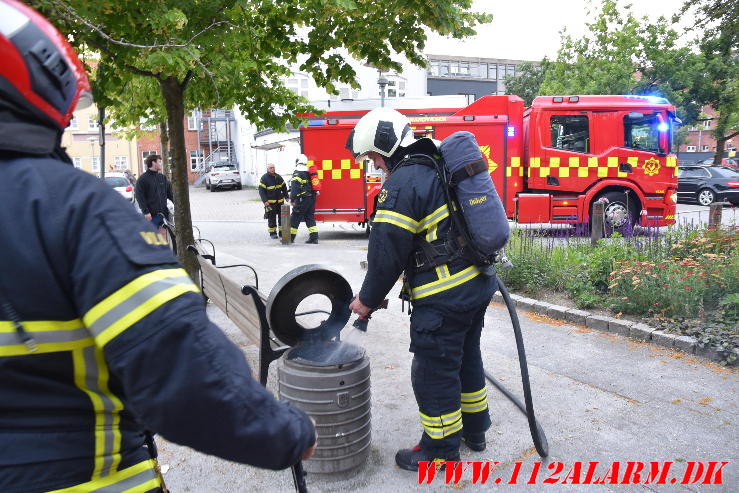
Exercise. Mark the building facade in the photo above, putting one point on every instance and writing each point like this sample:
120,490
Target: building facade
700,144
82,141
469,76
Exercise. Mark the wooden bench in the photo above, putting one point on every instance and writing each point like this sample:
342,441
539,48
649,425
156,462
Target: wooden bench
244,305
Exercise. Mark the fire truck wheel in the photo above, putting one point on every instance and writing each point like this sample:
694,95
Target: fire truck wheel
621,210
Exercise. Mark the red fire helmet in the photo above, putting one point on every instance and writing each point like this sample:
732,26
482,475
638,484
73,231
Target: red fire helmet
39,70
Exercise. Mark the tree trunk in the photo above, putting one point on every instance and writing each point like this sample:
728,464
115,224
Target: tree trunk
164,141
173,99
719,134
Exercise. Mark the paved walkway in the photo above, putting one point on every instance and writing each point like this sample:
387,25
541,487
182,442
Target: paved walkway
600,397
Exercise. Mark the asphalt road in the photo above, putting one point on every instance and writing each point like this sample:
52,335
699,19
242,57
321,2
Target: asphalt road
600,397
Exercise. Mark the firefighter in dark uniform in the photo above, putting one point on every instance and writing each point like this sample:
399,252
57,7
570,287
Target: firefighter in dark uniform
273,192
449,299
103,335
303,200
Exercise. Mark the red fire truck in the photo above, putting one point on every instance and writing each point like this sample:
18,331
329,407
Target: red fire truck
549,162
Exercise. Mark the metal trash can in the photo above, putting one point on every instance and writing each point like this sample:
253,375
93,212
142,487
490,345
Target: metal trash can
331,382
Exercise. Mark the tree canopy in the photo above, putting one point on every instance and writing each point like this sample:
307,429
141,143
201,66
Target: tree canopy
225,53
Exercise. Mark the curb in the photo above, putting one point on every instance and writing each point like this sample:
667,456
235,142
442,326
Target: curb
634,330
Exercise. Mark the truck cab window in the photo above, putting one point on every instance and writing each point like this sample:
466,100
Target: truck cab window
570,133
641,132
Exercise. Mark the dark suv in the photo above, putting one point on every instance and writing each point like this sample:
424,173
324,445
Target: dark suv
708,184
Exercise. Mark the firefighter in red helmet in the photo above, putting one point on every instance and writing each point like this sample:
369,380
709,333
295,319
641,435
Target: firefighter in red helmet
101,330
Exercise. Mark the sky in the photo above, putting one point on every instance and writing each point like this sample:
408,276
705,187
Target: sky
529,29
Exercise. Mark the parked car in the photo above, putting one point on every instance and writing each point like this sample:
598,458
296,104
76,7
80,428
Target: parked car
708,184
221,176
122,185
727,161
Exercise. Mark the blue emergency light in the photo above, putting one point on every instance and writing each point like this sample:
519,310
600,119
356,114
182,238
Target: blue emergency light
663,127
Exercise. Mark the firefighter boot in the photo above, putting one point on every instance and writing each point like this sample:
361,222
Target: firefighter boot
273,235
474,441
292,238
408,459
313,238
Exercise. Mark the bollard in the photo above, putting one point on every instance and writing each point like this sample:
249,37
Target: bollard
714,215
285,224
596,222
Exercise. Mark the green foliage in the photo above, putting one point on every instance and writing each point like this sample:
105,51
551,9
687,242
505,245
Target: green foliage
685,280
527,81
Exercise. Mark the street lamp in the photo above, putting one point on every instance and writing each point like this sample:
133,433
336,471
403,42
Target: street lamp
382,82
92,141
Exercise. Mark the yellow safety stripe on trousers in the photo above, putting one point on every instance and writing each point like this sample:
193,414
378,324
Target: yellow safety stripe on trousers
293,231
272,230
91,375
140,478
275,201
474,402
446,283
50,336
438,427
313,229
134,301
397,219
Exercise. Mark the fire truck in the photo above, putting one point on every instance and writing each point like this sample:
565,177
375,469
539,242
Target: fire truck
549,162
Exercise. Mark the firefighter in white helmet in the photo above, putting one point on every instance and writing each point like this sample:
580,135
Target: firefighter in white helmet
449,297
303,200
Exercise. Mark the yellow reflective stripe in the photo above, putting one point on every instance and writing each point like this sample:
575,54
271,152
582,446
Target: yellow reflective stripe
442,271
50,336
434,218
135,479
262,185
475,408
298,179
91,376
444,284
313,229
473,396
431,234
275,201
397,219
441,426
294,231
134,301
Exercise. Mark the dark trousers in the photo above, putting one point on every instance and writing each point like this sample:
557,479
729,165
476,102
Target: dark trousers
304,210
274,218
447,376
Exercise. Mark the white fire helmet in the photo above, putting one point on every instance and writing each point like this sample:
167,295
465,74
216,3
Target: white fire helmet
301,162
382,130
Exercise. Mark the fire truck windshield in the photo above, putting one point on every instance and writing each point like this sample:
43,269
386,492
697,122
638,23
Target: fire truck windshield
643,131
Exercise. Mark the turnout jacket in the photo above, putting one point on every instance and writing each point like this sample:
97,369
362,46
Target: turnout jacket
300,186
411,205
152,192
120,344
272,189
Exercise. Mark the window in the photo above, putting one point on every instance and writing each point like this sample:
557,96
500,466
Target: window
121,163
196,159
501,71
192,121
641,132
570,133
444,68
298,85
95,163
464,69
92,122
707,124
510,70
474,69
434,67
77,162
492,71
692,173
704,149
74,124
690,149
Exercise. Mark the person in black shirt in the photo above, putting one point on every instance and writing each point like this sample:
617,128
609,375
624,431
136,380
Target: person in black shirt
152,192
273,192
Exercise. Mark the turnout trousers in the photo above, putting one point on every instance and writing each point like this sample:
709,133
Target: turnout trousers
304,210
273,218
447,376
